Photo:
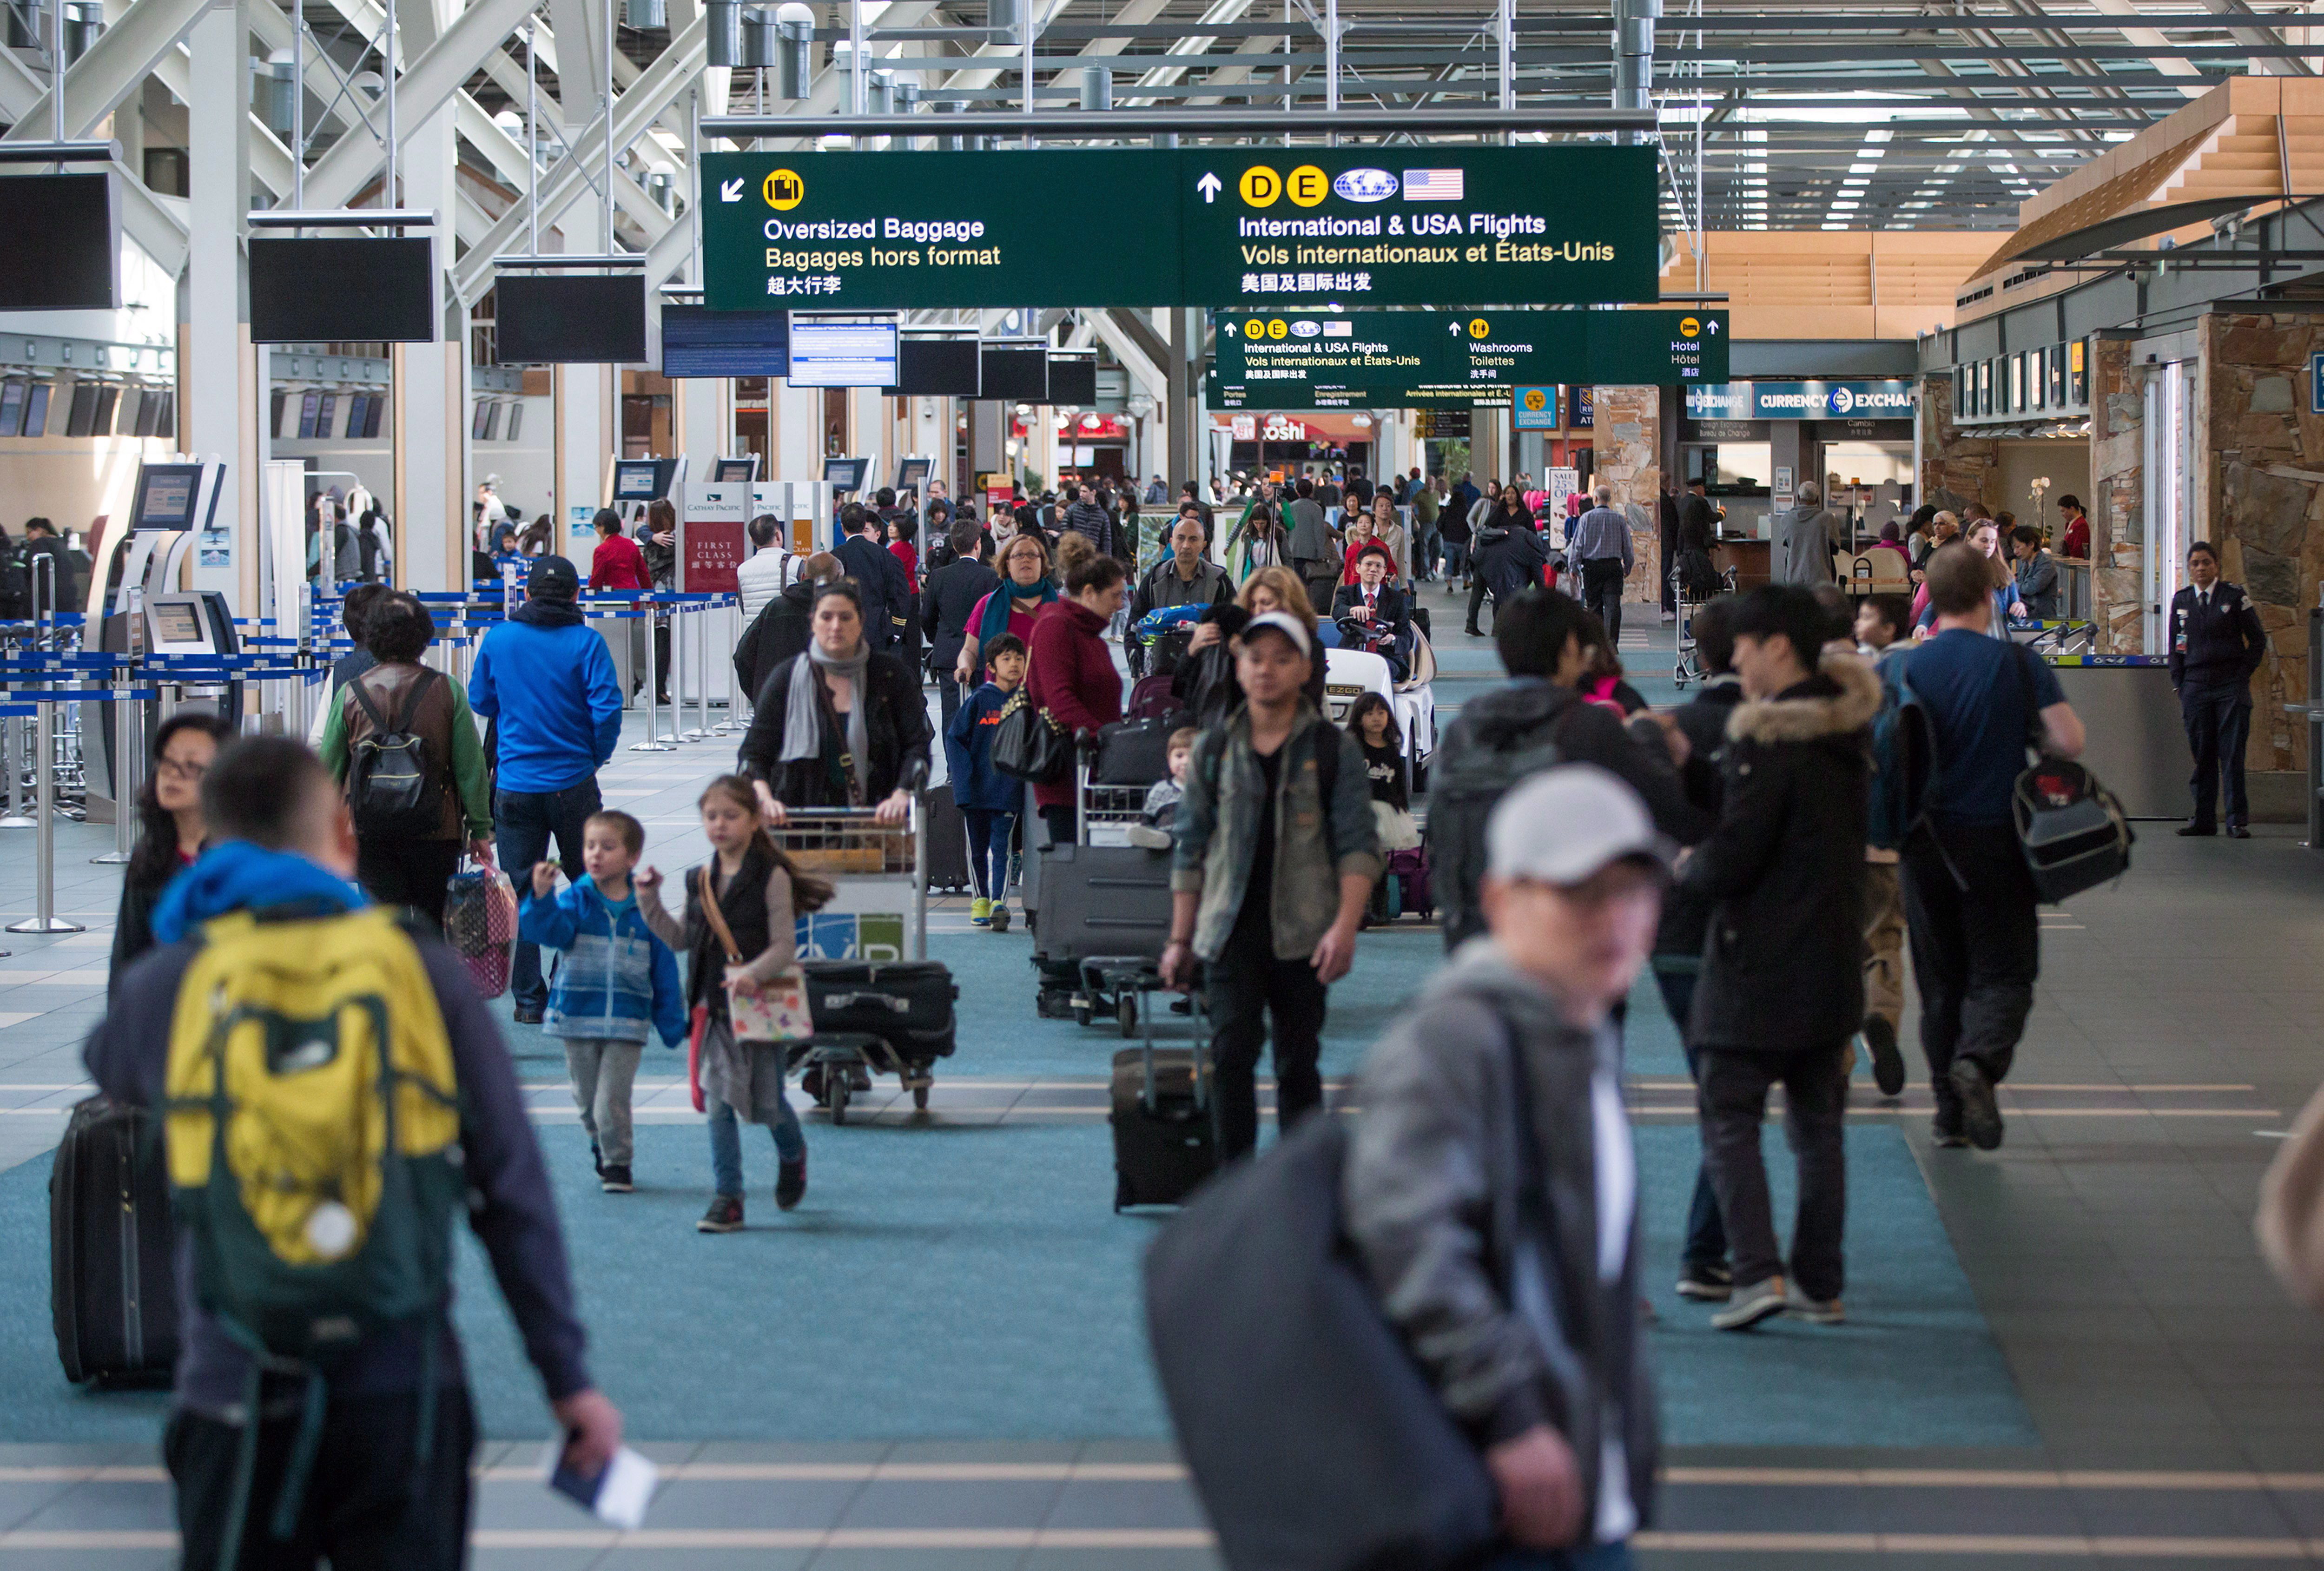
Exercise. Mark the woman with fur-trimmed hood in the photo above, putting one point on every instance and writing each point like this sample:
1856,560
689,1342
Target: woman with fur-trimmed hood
1782,986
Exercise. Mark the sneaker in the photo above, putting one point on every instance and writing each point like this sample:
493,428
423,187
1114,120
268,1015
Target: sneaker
791,1184
1814,1311
1887,1063
527,1016
2185,830
1946,1137
1980,1115
1706,1283
1000,916
725,1215
980,912
1751,1305
614,1178
2237,832
1147,837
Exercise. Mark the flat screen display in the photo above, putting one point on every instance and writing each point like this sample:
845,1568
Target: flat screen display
12,409
493,420
177,620
149,411
938,368
844,473
476,423
515,419
1072,380
165,497
109,403
309,405
61,246
842,353
734,471
326,409
581,320
308,290
131,410
36,409
81,418
1015,372
695,342
636,480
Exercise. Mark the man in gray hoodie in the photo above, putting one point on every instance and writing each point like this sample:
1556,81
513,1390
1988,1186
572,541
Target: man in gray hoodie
1490,1186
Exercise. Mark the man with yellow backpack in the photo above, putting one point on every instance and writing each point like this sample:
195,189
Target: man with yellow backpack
333,1094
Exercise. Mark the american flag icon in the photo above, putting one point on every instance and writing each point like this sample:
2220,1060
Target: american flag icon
1432,185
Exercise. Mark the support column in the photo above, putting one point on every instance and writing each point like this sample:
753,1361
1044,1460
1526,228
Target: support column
1181,410
431,393
2118,496
1629,459
988,438
216,356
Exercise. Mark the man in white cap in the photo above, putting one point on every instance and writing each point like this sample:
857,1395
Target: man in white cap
1276,856
1492,1132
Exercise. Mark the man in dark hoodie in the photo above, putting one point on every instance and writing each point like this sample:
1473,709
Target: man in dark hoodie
545,681
1539,714
1492,1131
1782,988
1703,1272
284,848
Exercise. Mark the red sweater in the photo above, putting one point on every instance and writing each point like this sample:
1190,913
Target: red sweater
1072,676
618,564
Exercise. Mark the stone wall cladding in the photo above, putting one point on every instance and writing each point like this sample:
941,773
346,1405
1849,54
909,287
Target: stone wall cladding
2261,459
2117,497
1955,469
1628,448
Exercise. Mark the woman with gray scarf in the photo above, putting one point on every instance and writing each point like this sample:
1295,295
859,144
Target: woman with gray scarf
841,725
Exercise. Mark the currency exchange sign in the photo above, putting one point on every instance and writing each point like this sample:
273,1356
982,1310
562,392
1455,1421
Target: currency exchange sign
1437,226
1292,358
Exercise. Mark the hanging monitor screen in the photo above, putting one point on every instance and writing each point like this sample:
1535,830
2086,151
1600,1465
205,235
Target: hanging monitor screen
1017,372
827,353
306,291
938,368
1072,379
695,342
59,247
554,320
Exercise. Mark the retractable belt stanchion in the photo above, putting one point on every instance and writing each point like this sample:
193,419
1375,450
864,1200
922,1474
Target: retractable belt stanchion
44,917
18,817
651,743
733,723
700,730
128,768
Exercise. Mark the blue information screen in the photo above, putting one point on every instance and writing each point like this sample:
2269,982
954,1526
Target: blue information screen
695,342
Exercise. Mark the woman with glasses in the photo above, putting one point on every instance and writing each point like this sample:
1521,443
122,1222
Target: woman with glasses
169,827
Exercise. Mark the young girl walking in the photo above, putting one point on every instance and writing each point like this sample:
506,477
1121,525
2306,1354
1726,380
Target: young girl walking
739,909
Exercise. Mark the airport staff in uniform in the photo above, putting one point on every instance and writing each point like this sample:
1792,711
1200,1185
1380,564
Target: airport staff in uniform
2216,644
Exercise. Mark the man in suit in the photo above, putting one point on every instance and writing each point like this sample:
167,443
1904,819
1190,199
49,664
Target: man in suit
887,590
1377,603
2216,646
1803,541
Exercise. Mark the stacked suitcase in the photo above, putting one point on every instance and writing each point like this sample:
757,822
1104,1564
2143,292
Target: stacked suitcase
112,1294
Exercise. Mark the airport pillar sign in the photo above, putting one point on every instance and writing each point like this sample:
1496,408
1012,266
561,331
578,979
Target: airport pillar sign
1407,225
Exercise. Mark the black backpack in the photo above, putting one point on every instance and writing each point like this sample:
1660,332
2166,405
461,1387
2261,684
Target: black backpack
15,580
367,552
1465,784
391,791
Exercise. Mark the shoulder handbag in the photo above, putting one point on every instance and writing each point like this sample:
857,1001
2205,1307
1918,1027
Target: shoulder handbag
773,1010
1027,742
2073,831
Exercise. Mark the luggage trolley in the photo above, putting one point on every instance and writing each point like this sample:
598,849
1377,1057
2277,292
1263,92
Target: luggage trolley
1686,668
879,1006
1106,903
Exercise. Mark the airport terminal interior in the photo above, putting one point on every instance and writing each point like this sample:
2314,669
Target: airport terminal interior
430,296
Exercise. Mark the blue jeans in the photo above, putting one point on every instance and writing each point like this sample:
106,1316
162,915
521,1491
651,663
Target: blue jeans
726,1144
524,822
1597,1557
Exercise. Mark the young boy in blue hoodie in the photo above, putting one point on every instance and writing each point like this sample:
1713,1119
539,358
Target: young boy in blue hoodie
988,799
617,983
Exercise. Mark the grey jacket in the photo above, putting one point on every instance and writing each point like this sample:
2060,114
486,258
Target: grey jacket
1311,537
1803,553
1316,842
2037,585
1501,1302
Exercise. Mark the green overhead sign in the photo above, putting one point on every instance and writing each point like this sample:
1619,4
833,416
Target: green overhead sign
1218,227
1292,359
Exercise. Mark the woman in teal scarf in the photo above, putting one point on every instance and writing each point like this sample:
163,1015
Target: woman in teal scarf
1025,588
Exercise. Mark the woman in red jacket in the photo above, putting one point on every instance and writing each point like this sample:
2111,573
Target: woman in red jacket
1071,673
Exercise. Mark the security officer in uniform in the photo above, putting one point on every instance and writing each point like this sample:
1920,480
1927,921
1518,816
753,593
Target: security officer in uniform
2216,644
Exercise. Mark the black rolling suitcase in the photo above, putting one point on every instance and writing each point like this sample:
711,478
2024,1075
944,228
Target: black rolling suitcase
111,1293
1164,1140
906,1003
947,842
1102,901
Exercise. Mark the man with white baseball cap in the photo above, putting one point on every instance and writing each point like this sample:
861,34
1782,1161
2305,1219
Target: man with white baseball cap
1492,1132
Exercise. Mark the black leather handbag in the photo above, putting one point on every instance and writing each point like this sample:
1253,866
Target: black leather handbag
1028,744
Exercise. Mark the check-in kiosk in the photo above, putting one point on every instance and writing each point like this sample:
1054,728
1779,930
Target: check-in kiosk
742,471
713,540
637,482
171,502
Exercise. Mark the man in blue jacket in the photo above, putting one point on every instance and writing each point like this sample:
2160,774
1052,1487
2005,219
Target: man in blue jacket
545,679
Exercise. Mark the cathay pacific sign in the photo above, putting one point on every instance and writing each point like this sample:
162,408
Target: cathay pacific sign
1890,400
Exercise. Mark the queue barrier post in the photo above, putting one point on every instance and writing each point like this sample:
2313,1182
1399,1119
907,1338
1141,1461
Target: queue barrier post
651,743
700,730
44,917
16,817
731,724
128,769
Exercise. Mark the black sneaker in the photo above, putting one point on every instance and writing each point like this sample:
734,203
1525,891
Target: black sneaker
1706,1283
791,1184
1887,1063
614,1179
1980,1114
527,1016
1945,1136
725,1215
596,1159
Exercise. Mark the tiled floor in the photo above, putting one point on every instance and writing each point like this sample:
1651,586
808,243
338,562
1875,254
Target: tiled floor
2178,1397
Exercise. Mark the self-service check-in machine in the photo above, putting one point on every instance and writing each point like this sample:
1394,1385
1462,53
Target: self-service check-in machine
714,541
137,608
